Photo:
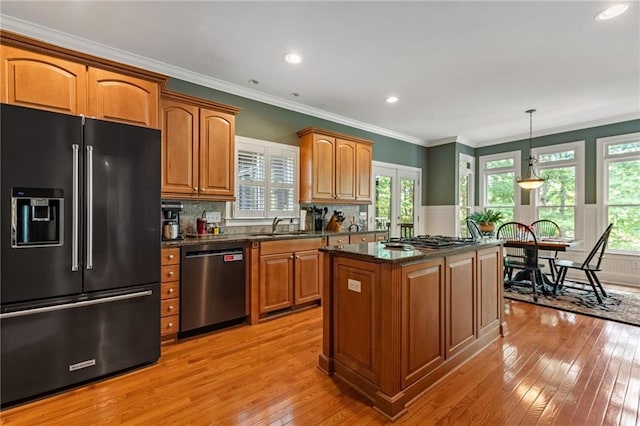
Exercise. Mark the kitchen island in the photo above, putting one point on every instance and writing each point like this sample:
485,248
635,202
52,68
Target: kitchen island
395,321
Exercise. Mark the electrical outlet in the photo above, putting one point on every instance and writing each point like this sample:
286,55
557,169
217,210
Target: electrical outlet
354,285
213,217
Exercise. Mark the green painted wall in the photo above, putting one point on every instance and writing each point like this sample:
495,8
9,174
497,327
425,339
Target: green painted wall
441,175
589,135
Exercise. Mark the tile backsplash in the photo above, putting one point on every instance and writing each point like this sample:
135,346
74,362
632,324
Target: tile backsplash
193,209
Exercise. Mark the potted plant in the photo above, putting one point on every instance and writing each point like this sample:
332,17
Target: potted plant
486,219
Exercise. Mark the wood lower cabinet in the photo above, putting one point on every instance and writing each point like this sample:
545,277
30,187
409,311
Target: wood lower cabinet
334,167
369,237
198,148
288,275
490,302
43,76
170,296
460,302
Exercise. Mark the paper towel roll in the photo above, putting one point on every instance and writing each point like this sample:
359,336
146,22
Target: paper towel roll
303,219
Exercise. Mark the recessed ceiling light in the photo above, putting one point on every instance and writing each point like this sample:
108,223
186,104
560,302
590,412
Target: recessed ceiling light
612,11
294,94
293,58
391,100
254,82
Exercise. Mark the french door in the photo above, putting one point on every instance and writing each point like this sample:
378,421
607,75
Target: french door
397,199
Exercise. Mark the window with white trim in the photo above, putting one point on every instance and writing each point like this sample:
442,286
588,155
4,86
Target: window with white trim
466,167
562,167
619,174
498,190
266,184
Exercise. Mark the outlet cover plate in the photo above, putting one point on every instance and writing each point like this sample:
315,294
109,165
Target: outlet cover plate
213,217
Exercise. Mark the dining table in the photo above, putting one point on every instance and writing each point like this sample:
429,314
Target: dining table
544,243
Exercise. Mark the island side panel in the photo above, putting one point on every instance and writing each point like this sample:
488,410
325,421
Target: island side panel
461,305
326,358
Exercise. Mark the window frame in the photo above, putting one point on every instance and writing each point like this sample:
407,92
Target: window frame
603,159
470,174
268,149
579,163
484,172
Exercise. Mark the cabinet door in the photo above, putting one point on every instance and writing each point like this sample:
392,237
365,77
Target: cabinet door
422,326
179,148
118,97
323,167
39,81
307,276
364,161
460,303
217,150
345,170
276,282
489,285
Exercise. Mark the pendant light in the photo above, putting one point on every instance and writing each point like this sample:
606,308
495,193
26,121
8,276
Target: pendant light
532,181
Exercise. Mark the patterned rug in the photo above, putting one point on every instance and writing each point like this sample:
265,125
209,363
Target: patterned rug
620,306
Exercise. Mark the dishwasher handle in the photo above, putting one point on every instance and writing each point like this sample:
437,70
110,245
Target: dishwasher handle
209,253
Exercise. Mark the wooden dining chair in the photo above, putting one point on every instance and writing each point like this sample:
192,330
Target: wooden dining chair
474,230
549,229
588,266
523,258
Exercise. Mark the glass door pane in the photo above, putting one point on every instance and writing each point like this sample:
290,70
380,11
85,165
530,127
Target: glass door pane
384,193
407,206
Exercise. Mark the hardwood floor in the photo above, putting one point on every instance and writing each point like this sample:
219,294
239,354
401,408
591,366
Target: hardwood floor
553,367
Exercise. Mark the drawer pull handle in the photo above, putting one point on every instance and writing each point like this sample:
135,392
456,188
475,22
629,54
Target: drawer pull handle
171,257
170,291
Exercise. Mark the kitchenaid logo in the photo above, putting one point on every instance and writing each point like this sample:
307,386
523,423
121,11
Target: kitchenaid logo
83,364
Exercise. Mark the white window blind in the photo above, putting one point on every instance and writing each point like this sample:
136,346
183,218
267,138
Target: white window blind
266,184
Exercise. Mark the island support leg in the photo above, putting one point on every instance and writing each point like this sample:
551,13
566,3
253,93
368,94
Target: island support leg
325,359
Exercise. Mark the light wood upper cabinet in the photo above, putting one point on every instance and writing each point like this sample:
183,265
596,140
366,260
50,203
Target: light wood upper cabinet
217,150
364,165
345,170
198,148
180,142
40,81
334,167
118,97
43,76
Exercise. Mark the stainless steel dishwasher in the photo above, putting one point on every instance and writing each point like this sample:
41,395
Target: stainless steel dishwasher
212,288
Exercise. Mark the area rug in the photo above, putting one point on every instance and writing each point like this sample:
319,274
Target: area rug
620,306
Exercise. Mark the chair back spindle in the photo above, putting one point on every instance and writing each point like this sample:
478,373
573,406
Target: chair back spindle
599,249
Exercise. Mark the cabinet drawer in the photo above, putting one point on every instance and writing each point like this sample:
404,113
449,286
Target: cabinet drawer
337,240
170,290
169,325
362,238
169,307
170,273
170,256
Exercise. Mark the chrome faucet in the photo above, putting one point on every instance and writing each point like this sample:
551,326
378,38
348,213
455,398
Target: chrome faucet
274,224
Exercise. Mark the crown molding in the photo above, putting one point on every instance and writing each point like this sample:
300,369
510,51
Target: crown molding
87,46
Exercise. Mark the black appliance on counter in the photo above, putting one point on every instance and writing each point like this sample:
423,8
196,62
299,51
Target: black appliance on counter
80,247
171,220
212,287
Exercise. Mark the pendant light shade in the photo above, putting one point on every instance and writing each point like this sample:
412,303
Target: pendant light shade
532,180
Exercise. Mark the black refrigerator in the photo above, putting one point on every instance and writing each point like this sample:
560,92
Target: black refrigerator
80,250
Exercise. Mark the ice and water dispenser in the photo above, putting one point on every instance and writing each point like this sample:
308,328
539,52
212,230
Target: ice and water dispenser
37,216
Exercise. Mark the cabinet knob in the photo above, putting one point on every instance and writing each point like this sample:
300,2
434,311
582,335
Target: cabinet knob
363,239
170,291
170,307
170,325
339,241
171,256
170,273
195,189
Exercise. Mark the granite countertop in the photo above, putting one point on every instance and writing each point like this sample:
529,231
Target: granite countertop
378,253
257,236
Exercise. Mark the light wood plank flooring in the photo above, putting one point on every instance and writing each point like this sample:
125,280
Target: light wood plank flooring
552,368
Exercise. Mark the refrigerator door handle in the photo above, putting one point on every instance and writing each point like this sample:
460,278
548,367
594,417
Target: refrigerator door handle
76,304
89,207
74,210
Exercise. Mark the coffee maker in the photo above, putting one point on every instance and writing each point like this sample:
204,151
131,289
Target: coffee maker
171,220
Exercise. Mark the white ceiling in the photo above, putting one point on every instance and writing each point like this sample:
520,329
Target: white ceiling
463,70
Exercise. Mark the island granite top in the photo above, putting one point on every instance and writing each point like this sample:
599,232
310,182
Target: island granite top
379,253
